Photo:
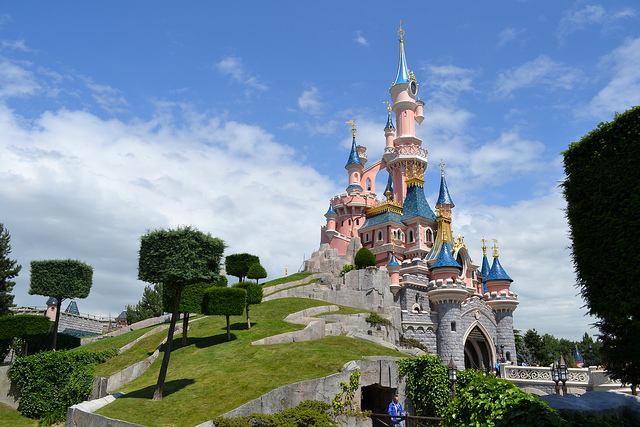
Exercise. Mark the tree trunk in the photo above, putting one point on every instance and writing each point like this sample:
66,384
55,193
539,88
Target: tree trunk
634,390
185,327
228,330
248,321
157,394
54,342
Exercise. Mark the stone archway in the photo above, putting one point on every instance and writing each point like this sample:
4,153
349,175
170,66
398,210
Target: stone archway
479,352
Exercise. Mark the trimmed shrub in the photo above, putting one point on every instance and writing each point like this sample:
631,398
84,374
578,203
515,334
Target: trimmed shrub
257,272
347,268
364,258
224,302
254,295
23,325
427,384
310,413
238,264
220,282
374,319
487,400
38,343
190,299
49,382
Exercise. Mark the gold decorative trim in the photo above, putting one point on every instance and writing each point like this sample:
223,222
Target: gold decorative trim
415,182
389,206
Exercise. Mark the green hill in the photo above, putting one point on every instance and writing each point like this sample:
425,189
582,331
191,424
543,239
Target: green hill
210,376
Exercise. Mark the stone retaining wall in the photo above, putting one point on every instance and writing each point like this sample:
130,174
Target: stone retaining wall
5,388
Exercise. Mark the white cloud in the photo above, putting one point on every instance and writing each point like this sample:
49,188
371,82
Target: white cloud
541,71
508,154
534,250
623,89
508,35
75,185
310,101
19,45
233,67
15,80
590,15
360,39
108,98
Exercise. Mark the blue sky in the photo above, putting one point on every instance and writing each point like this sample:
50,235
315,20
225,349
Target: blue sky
127,116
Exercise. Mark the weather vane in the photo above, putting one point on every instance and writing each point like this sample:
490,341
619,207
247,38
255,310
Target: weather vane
354,130
442,167
484,246
495,248
389,109
401,32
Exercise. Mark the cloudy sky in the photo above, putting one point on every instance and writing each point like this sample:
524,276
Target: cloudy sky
122,118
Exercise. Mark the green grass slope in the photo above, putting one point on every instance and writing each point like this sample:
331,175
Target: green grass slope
115,342
9,417
286,279
210,376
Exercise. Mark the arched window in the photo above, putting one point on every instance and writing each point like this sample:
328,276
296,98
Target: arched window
349,222
379,235
411,236
343,223
356,176
357,221
453,326
429,235
368,184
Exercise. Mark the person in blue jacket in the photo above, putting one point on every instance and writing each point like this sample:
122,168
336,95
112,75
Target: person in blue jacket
396,410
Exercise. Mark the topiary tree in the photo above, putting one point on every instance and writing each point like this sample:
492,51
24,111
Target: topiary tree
257,272
177,258
220,282
364,258
61,279
190,302
238,264
23,326
224,302
254,296
601,183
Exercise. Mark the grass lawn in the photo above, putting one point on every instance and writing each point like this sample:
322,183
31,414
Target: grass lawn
211,376
286,279
9,417
344,310
115,342
141,350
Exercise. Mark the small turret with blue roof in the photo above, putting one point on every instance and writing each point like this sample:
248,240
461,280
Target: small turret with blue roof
330,211
444,199
354,165
445,259
484,271
389,125
497,273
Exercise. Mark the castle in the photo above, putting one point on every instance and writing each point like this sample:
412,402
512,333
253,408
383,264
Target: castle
456,309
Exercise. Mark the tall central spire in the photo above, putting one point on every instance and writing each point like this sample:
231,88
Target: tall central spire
402,76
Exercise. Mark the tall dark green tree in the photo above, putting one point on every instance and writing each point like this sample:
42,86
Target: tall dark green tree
256,272
9,269
238,264
224,302
176,258
603,201
61,279
150,305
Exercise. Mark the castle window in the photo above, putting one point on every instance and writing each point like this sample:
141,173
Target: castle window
379,235
357,221
508,354
410,235
429,235
349,222
453,326
368,184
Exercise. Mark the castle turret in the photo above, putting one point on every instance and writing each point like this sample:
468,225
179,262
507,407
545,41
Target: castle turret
394,272
331,218
445,265
354,165
503,302
389,132
484,271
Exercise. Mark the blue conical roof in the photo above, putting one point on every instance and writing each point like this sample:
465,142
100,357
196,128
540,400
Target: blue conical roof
389,124
389,186
72,308
484,271
445,258
402,76
330,211
393,262
444,198
497,272
415,204
354,159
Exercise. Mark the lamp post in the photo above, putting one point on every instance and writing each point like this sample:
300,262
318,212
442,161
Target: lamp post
562,374
554,375
453,376
501,353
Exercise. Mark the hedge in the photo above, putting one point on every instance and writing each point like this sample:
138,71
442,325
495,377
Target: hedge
224,301
364,258
23,325
309,413
48,383
61,278
190,299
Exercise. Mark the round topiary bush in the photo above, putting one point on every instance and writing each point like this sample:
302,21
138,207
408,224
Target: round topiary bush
364,258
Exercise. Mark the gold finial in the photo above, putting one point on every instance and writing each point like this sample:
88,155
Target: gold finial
495,248
389,109
401,32
354,129
412,76
441,167
484,247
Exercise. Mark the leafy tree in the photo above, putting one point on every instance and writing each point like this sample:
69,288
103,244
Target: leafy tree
220,281
254,296
9,269
601,183
150,305
224,302
257,272
61,279
190,302
364,258
177,258
427,384
238,264
23,326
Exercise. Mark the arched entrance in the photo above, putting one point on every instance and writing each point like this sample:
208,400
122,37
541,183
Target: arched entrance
478,349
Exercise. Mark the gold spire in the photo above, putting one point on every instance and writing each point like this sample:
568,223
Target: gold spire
495,248
354,129
441,167
401,32
389,109
484,247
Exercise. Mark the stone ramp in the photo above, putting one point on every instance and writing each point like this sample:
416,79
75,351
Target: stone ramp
269,290
315,328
